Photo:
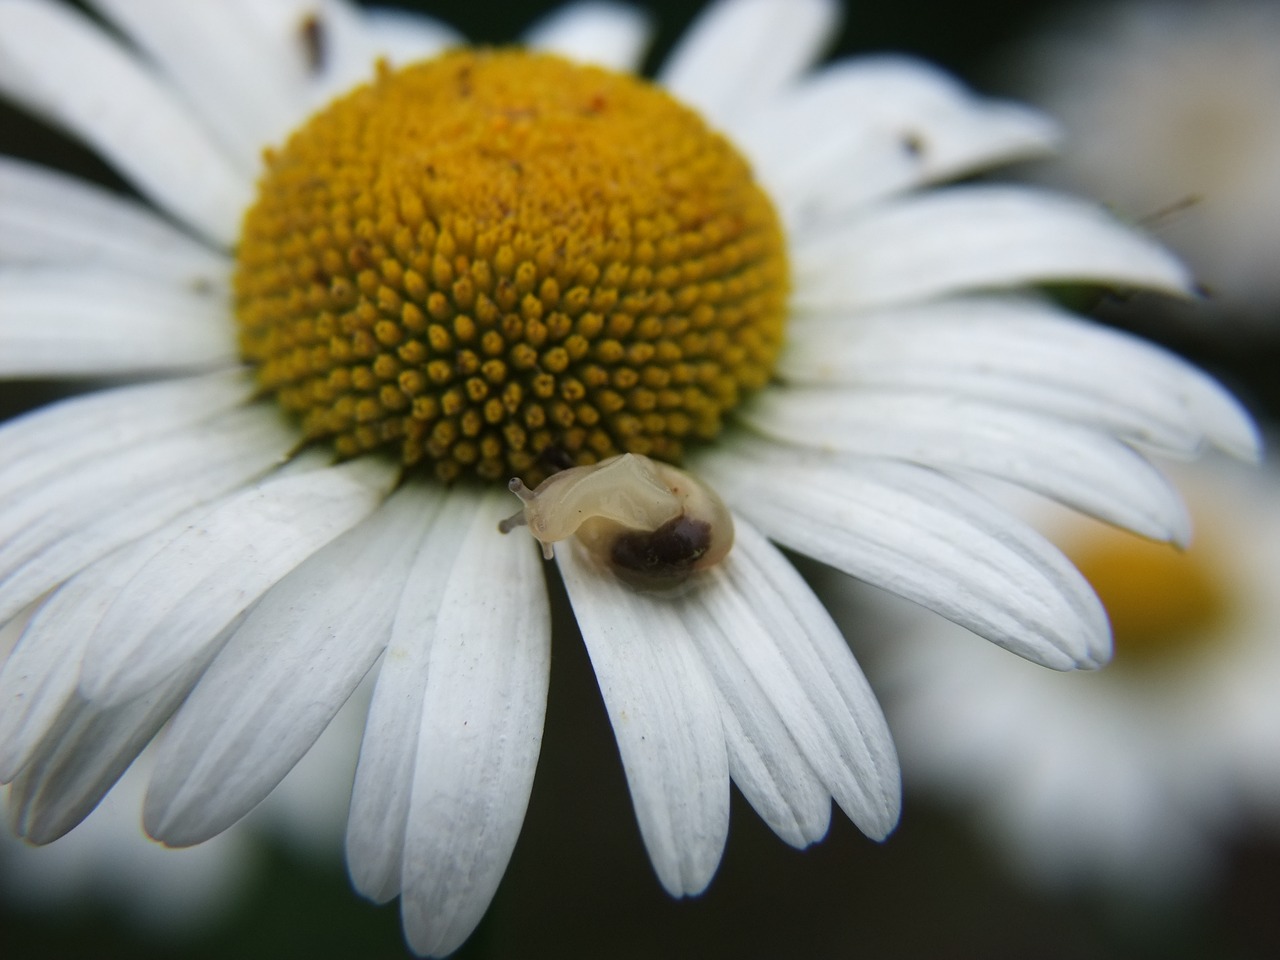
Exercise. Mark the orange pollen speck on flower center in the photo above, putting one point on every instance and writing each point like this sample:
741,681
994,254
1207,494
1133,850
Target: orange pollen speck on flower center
499,263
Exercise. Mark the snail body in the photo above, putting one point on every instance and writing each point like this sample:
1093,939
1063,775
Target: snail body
649,522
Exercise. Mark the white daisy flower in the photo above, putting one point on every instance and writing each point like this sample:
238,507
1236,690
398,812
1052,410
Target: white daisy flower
1172,117
497,263
1135,777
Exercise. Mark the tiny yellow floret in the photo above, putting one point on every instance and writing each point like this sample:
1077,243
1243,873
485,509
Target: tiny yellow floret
499,263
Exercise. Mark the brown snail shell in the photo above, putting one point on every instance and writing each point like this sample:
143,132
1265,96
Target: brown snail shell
648,522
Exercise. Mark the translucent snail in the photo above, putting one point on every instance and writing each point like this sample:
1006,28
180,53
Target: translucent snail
648,522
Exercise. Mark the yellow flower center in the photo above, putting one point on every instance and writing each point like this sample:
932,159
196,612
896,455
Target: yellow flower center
501,263
1163,602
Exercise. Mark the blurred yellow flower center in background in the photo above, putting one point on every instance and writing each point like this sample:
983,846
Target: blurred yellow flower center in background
1163,602
497,263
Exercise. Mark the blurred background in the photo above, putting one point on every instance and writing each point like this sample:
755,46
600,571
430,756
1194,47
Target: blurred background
1127,814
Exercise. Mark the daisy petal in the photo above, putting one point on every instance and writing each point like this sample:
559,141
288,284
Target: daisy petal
925,537
902,124
760,630
283,675
50,219
613,35
38,681
403,37
974,237
481,733
768,768
68,322
663,708
11,632
55,438
56,64
740,53
1027,353
201,574
235,77
1222,418
344,47
307,51
51,530
1082,468
384,777
89,750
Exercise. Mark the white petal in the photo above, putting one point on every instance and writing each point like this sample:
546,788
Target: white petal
404,37
55,63
284,673
663,708
202,574
974,237
346,47
384,777
56,438
613,35
11,630
50,531
241,80
1083,468
481,733
898,124
320,49
769,769
739,53
48,218
760,630
1026,353
91,748
925,537
68,322
38,682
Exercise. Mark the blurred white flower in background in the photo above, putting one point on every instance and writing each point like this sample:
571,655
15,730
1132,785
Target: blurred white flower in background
1133,777
1172,110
